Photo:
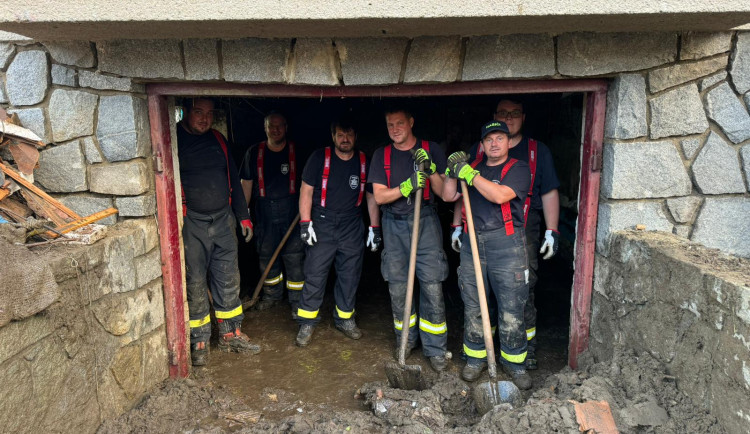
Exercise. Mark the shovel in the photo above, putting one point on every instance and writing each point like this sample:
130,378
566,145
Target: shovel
488,394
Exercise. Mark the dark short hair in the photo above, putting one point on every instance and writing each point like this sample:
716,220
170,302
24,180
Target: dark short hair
274,113
188,103
398,109
510,98
344,123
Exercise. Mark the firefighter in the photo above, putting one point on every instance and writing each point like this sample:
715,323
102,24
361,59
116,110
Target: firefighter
212,203
395,175
498,186
333,189
270,174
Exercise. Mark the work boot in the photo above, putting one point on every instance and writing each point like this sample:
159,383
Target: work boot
473,369
530,362
438,363
237,342
294,311
266,303
304,336
518,375
349,328
199,354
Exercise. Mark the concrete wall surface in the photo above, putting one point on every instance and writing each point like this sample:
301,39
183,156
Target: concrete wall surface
686,305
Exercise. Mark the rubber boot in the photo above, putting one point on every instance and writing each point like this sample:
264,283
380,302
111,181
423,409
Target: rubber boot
473,369
304,336
237,342
349,328
199,354
438,363
518,374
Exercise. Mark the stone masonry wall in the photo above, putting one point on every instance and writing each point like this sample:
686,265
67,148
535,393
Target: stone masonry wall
687,306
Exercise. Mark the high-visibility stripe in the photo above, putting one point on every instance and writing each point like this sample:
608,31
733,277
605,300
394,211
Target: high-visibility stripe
309,314
274,280
195,323
530,333
344,315
435,329
295,286
229,314
514,358
399,324
477,354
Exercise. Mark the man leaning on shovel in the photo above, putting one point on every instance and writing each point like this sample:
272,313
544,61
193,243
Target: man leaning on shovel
498,188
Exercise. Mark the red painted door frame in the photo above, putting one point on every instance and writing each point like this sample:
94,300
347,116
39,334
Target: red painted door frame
174,299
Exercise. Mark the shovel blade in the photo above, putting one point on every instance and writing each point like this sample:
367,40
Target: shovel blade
491,393
406,377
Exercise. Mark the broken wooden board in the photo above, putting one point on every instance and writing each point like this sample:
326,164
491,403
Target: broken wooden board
44,209
25,155
82,222
16,208
10,130
37,191
595,416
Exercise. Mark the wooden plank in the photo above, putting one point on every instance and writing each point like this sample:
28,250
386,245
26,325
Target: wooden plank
4,192
44,209
26,156
36,190
15,207
595,416
82,222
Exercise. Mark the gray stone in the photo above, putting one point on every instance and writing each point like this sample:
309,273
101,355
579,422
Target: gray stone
314,62
91,150
147,58
669,76
201,59
626,108
745,153
123,128
136,206
78,53
712,80
625,176
696,45
644,414
96,80
582,54
147,267
682,231
740,68
678,112
3,95
616,216
62,169
26,80
6,53
71,114
146,233
724,223
509,56
132,314
433,59
716,168
371,61
35,120
63,75
683,208
726,110
254,60
87,204
122,179
690,147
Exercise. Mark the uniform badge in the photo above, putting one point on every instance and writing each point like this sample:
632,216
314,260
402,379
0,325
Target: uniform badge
285,168
354,182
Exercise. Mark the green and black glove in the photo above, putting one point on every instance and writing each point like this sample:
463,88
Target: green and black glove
423,157
455,158
416,180
464,171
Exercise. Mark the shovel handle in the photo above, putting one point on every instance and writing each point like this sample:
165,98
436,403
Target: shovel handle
410,278
486,329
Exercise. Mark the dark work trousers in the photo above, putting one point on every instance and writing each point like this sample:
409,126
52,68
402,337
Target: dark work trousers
505,274
432,269
533,228
211,263
341,241
273,220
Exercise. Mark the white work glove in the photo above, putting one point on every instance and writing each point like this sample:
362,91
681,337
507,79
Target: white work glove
456,238
549,247
374,238
307,233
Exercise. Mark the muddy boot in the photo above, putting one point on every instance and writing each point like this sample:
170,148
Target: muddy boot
473,369
199,353
266,304
294,311
349,328
304,336
237,342
438,363
518,375
531,363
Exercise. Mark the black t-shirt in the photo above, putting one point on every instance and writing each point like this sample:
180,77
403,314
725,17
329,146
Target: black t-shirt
488,215
545,179
276,171
343,180
203,174
402,166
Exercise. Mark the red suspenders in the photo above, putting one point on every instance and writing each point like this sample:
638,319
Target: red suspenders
223,145
387,164
292,168
327,170
504,208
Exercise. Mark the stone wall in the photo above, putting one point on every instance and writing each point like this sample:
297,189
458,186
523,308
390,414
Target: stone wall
687,306
98,347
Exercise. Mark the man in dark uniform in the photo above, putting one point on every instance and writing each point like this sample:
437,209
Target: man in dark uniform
395,175
212,203
333,186
500,185
270,174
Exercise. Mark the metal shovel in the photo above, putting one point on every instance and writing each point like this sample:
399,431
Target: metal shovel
488,394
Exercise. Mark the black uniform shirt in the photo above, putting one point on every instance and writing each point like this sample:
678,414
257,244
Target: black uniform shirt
545,179
488,215
203,173
276,171
343,180
402,166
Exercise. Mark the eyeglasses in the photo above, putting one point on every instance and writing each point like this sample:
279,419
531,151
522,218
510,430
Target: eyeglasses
503,114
